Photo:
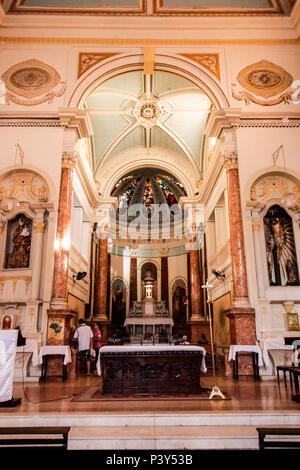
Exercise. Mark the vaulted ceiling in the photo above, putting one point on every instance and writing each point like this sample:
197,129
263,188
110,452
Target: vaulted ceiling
162,111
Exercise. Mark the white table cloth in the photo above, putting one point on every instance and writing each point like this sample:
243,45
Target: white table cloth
236,348
30,346
50,350
150,347
269,345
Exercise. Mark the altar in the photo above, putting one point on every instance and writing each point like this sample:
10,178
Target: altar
151,369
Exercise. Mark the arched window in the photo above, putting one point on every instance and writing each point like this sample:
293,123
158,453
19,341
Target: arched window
280,247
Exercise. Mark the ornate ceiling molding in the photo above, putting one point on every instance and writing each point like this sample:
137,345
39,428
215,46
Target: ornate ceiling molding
208,61
33,80
87,60
262,81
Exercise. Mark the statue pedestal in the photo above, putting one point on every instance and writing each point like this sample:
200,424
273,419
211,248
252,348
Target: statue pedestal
199,328
58,334
242,331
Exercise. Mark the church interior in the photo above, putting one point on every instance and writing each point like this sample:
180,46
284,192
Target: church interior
150,185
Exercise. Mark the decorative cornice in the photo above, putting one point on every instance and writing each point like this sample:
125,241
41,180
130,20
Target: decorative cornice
19,122
234,118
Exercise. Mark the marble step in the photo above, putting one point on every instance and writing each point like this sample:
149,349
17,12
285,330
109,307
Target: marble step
164,438
283,418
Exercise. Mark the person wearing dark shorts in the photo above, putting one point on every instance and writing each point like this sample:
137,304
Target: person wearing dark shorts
84,334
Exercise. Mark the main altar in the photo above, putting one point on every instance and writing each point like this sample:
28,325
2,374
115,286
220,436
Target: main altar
149,318
150,370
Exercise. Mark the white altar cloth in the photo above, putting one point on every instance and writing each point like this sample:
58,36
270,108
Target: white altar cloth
30,346
269,345
137,348
236,348
50,350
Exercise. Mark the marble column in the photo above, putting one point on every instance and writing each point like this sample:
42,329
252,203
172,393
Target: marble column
59,312
164,280
238,259
63,233
101,282
241,315
133,280
196,321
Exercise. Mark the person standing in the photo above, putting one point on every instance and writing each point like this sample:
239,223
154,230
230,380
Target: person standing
84,334
97,339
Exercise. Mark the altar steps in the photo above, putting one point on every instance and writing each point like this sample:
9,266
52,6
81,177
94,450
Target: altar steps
159,431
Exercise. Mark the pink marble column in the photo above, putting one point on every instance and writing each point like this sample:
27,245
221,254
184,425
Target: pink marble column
196,321
241,315
101,313
195,282
59,312
238,259
63,234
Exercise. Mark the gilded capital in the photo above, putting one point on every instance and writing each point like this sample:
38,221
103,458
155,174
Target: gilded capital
256,225
230,160
39,227
68,160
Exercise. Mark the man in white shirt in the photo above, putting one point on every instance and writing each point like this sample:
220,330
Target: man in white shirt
84,334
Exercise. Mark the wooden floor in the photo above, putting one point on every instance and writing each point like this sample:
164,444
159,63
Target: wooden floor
247,395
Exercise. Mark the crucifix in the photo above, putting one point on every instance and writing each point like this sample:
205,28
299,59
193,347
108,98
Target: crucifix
215,389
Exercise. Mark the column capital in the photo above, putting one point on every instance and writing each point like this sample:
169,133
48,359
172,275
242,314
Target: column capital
68,160
39,227
256,224
230,160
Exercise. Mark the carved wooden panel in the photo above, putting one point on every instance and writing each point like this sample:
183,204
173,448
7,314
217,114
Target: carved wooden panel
151,372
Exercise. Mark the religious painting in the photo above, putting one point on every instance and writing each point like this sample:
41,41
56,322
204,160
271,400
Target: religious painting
179,303
118,305
55,330
280,247
6,323
18,246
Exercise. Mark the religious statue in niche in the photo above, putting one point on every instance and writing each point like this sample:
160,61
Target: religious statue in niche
280,246
19,242
179,304
118,302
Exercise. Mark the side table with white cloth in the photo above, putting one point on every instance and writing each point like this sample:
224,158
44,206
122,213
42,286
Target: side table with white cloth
24,355
257,360
268,345
47,351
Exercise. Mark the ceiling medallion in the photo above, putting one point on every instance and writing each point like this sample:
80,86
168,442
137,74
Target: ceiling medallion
31,79
263,80
148,110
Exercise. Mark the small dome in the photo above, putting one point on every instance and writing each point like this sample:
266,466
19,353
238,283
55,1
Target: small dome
148,187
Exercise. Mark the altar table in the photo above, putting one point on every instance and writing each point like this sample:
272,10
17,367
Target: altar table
151,370
46,351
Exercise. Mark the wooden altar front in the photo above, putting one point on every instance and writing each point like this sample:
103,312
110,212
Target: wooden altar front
151,370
